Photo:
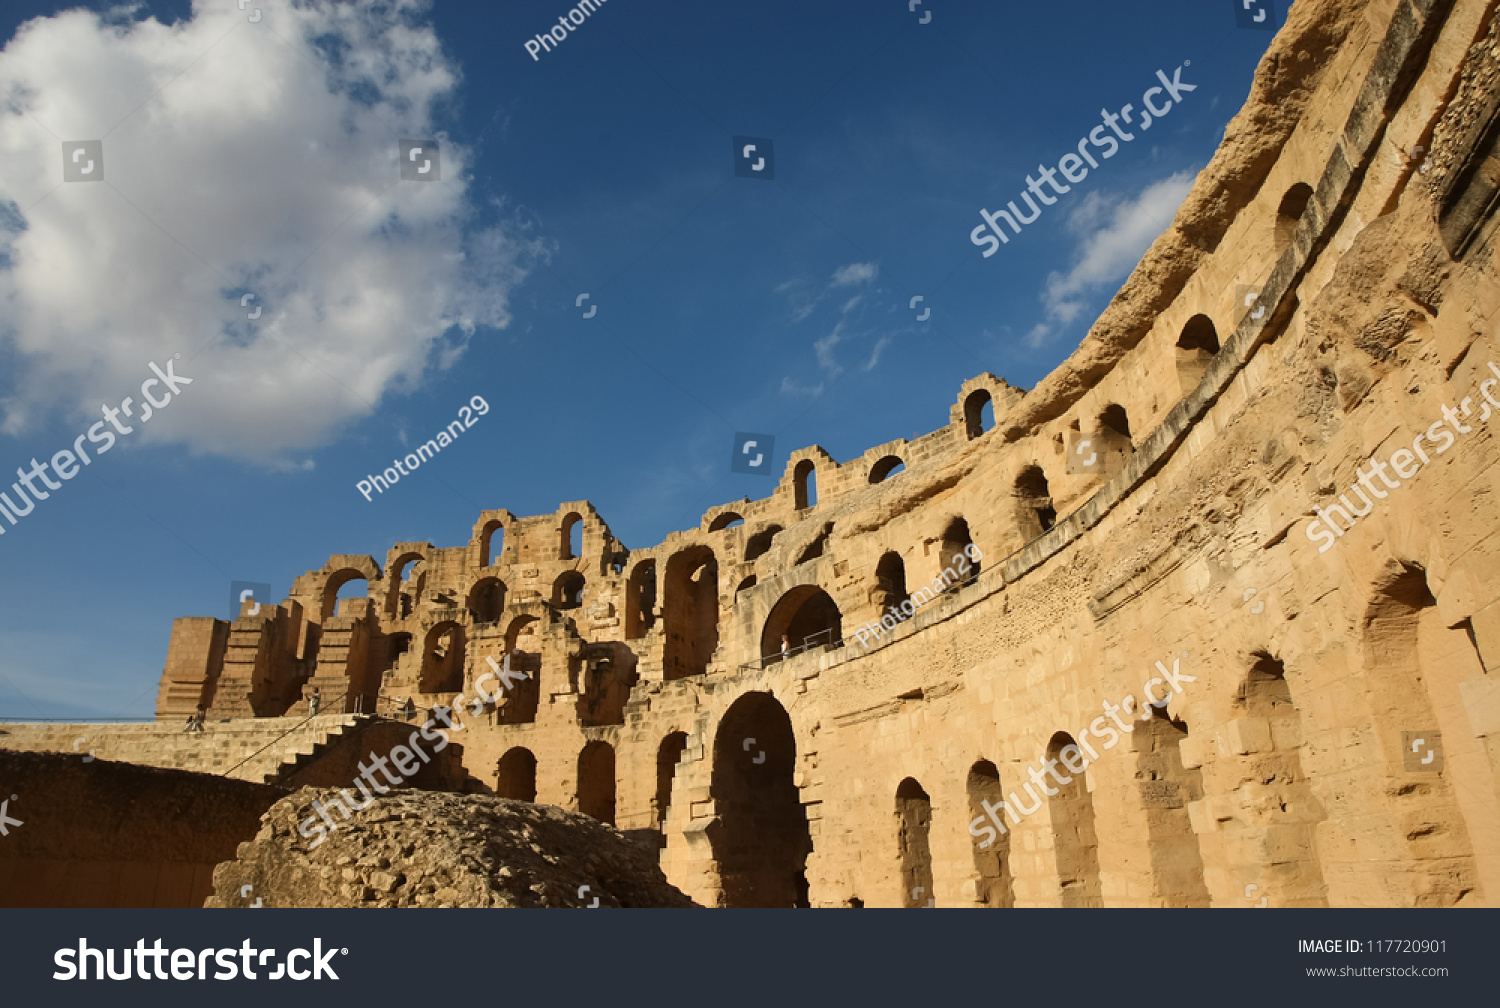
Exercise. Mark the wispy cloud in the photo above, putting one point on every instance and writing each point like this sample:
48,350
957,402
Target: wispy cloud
1113,235
855,273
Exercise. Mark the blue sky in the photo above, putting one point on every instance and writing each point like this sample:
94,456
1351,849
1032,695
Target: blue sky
261,158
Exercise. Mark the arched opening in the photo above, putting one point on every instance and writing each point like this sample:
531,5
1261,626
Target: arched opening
606,688
487,600
640,600
492,544
567,590
1074,842
1413,665
805,485
814,549
993,886
807,617
354,588
345,584
760,839
1034,511
1195,351
749,582
890,586
979,413
570,544
691,612
523,647
913,822
760,542
596,781
959,557
668,754
1114,421
1268,802
405,587
886,468
1289,213
515,776
443,659
724,521
1166,789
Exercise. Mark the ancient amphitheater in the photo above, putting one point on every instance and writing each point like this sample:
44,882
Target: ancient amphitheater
1261,493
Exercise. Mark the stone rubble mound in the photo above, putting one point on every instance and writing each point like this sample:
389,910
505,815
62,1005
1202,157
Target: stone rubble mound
435,849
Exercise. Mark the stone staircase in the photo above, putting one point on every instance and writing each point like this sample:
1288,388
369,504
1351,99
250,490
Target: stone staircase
222,745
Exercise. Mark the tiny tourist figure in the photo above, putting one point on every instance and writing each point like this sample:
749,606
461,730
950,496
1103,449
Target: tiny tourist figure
317,698
785,645
197,718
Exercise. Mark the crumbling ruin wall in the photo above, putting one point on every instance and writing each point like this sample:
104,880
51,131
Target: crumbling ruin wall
97,833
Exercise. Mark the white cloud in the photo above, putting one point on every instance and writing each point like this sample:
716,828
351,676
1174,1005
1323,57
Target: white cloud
238,158
1114,234
855,273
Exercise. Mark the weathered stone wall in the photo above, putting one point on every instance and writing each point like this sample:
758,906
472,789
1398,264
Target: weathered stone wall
1354,197
106,834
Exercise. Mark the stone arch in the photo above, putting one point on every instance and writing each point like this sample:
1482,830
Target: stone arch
805,485
1115,422
491,551
399,603
760,543
887,467
442,659
523,646
596,781
805,613
570,537
759,835
1196,348
974,405
913,824
690,612
1035,514
515,775
890,583
486,600
640,599
724,520
606,689
1166,790
1289,213
668,755
1074,842
1405,645
957,540
1269,837
993,885
749,582
361,568
567,590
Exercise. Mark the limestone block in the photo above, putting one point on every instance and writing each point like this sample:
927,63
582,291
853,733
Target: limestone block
1193,751
1287,734
1482,701
1243,736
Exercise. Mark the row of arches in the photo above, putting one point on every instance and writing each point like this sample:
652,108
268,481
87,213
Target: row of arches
515,777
